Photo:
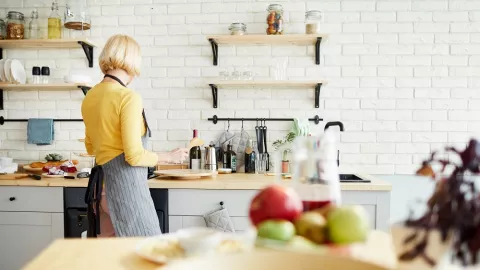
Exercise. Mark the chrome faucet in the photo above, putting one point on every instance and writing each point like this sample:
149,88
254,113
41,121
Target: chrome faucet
342,128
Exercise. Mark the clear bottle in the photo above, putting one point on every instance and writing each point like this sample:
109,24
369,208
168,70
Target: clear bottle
54,23
313,19
250,158
33,26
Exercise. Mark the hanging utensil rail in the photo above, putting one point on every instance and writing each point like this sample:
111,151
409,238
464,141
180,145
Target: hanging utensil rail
3,120
215,119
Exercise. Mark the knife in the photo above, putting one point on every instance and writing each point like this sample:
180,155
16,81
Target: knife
267,156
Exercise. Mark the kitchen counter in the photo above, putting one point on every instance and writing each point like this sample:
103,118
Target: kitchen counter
222,181
118,253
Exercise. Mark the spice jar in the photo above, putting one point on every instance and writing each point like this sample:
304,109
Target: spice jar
15,25
237,29
313,18
77,18
3,30
275,19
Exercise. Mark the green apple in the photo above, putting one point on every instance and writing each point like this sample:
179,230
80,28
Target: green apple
348,224
301,243
275,229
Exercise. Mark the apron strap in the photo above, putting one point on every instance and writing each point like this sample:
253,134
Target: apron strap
149,132
93,197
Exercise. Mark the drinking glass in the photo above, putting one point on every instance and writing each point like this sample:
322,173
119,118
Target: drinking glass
236,75
315,173
224,75
261,164
248,75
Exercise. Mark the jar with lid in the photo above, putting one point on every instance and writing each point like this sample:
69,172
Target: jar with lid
313,19
238,29
15,25
77,19
275,19
3,30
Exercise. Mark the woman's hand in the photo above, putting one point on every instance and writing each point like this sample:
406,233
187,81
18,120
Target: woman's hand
176,156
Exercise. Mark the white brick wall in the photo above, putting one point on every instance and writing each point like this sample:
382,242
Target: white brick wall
403,75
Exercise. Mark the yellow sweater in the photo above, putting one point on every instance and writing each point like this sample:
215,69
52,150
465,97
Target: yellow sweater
114,125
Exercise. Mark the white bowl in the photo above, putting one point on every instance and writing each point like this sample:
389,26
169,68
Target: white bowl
199,240
5,161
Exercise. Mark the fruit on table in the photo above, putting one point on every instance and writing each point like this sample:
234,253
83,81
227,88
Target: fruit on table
347,224
275,202
53,157
325,210
301,243
312,225
276,229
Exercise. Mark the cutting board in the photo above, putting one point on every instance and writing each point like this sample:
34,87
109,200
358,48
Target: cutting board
186,174
13,176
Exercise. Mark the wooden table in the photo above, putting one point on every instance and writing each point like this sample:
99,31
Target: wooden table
119,253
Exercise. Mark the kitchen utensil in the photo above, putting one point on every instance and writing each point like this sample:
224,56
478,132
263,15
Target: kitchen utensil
3,78
259,133
239,144
267,156
186,174
7,69
18,72
69,177
53,175
83,175
210,158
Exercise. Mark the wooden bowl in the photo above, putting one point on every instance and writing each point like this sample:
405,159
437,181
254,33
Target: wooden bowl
265,260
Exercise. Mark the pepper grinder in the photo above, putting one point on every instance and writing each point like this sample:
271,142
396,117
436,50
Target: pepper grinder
45,75
36,75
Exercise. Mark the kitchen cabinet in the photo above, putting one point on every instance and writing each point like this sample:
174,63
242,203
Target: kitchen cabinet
187,206
30,219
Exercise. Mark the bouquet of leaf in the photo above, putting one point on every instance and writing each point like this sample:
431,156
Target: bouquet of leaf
289,138
453,209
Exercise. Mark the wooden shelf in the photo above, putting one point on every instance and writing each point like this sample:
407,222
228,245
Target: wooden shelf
276,84
317,84
43,43
43,87
302,39
85,44
298,39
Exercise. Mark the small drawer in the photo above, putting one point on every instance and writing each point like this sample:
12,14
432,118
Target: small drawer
194,202
31,199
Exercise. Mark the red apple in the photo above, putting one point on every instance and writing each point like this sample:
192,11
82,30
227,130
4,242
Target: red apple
275,202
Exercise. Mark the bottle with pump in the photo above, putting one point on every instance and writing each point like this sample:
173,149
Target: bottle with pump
195,153
54,23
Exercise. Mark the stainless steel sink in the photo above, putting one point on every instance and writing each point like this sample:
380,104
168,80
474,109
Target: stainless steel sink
352,178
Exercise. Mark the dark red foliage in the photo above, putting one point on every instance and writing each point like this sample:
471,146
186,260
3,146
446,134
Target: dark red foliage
453,209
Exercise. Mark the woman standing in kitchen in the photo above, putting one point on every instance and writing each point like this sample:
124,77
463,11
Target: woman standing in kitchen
116,132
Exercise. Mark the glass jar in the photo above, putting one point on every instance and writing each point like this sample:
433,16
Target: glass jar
237,29
313,19
15,25
34,26
275,19
3,30
315,172
77,19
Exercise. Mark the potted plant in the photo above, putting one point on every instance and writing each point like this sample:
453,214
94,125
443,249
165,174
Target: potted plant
281,144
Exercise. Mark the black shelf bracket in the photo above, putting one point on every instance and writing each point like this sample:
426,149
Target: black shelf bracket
317,50
1,99
88,49
316,119
214,95
214,51
317,95
84,89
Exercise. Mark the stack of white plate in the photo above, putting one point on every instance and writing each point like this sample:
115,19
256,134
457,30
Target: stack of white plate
12,71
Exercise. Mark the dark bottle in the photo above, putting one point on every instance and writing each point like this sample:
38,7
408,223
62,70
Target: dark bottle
230,159
195,154
249,158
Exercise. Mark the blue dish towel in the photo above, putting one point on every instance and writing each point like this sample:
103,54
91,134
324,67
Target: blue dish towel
40,131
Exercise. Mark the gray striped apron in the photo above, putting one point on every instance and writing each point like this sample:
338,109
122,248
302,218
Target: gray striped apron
128,197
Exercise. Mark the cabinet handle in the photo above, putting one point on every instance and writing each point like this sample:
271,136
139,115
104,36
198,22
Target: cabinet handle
12,199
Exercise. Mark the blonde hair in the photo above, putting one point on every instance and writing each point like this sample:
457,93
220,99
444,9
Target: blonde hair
121,52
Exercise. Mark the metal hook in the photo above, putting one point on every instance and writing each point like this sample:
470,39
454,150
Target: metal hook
228,129
242,123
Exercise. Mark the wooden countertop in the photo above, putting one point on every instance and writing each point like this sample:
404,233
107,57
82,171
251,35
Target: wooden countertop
119,253
222,181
